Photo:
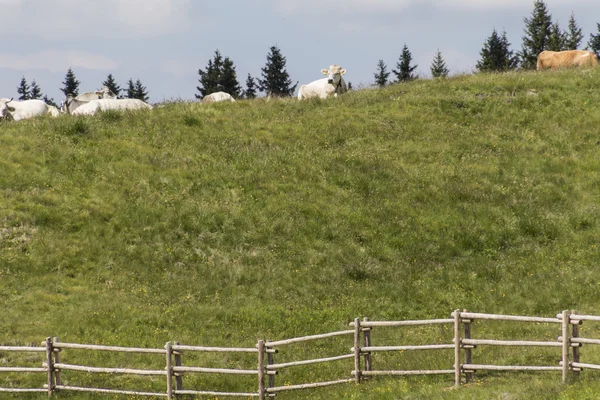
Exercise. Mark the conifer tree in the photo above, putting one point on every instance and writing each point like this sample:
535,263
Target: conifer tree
496,55
250,92
141,93
537,32
131,93
382,75
34,91
557,39
438,66
574,35
404,73
71,84
112,84
275,78
23,90
228,82
49,101
349,86
594,42
211,77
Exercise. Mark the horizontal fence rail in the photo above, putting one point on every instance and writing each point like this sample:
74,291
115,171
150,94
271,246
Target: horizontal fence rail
361,351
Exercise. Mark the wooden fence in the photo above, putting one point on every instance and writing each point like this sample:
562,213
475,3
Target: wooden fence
362,354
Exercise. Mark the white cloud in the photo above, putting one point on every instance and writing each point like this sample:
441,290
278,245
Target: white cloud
93,18
327,7
56,61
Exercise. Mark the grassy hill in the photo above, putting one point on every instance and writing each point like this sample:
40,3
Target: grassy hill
218,225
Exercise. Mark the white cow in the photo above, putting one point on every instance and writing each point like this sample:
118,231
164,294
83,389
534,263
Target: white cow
334,84
94,106
18,110
217,97
104,93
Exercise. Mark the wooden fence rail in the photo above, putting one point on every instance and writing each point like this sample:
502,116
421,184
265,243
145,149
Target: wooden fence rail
361,351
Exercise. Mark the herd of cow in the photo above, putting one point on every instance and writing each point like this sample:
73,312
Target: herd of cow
91,103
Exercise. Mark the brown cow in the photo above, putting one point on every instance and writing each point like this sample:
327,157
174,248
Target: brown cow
566,59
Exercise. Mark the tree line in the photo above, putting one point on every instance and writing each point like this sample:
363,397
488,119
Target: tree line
541,33
134,90
219,75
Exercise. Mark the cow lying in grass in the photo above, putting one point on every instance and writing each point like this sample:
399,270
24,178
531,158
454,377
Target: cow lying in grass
18,110
217,97
566,59
334,84
94,106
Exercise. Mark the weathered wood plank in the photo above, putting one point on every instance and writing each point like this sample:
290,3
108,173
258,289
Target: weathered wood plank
483,367
407,348
308,362
409,372
217,394
216,370
372,324
491,342
308,385
61,345
115,391
82,368
23,349
308,338
500,317
179,347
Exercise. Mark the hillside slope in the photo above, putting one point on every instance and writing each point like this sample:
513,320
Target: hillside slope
221,224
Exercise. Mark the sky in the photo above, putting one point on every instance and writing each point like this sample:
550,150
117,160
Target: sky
164,42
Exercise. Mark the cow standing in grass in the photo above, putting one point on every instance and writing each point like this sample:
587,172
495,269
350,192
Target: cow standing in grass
334,84
566,59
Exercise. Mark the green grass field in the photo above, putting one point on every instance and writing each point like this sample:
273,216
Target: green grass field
218,225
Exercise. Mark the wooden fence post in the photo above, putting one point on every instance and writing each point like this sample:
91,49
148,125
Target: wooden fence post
457,343
367,343
565,346
575,334
50,365
178,375
57,381
270,361
357,329
468,349
261,369
169,370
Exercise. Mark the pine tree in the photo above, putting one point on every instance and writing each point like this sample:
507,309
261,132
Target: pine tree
496,55
71,84
131,93
594,42
574,35
136,90
141,93
228,82
211,78
537,32
49,101
275,78
349,86
557,39
381,76
23,90
404,73
112,85
250,92
438,66
34,91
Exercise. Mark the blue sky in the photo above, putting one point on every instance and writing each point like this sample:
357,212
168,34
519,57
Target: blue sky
164,42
